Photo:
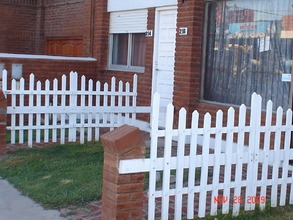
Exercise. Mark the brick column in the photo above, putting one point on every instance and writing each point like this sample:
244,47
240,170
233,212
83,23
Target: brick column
122,195
3,110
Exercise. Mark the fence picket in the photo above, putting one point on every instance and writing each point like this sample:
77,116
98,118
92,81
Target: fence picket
31,115
285,164
204,165
276,163
81,117
167,161
21,116
90,115
127,103
73,102
228,163
97,115
153,157
47,115
192,165
112,100
239,161
216,168
180,162
54,115
38,116
266,151
63,115
13,116
253,145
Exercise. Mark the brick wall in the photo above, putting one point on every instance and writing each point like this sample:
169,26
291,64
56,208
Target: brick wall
188,55
64,18
18,26
49,69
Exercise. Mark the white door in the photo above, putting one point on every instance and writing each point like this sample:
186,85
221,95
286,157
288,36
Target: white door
164,58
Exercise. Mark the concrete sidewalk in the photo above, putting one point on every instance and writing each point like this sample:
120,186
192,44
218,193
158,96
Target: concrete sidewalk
14,206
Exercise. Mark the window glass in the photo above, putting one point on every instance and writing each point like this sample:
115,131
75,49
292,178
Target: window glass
138,50
120,49
249,49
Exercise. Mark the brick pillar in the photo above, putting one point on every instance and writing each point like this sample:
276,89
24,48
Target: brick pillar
3,110
122,195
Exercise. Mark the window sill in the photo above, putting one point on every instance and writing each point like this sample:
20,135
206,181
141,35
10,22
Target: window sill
127,69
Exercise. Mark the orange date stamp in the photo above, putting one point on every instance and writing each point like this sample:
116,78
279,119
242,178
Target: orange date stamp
240,200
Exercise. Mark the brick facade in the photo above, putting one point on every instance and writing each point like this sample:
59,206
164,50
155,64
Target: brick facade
18,26
89,20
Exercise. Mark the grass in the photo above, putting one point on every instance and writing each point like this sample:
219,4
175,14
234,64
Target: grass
278,213
58,176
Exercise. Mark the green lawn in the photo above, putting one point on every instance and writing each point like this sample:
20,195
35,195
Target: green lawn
58,176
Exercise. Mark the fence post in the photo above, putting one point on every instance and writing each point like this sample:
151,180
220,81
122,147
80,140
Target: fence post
3,114
122,195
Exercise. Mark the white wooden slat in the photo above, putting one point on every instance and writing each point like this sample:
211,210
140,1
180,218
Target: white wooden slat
63,115
127,103
97,115
112,100
167,161
142,165
4,81
266,150
216,167
252,146
73,102
191,170
105,102
81,114
204,166
134,97
13,116
38,116
120,102
276,162
256,145
21,115
180,163
31,115
153,157
55,115
229,150
285,163
47,115
90,115
239,162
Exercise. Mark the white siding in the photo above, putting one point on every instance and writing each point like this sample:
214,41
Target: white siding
128,21
118,5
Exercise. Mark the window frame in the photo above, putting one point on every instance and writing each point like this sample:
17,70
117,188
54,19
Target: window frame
128,67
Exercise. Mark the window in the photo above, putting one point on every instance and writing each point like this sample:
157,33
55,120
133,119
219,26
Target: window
248,49
127,52
127,40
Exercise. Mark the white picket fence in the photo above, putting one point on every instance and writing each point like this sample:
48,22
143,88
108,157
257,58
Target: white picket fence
231,175
68,110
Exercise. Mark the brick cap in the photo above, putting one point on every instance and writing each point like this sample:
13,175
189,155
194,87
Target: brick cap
122,140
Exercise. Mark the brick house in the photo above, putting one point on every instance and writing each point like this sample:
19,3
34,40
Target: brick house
200,54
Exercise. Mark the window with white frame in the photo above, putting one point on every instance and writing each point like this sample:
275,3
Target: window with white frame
127,40
248,49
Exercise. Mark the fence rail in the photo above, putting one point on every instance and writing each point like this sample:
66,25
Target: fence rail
226,176
68,110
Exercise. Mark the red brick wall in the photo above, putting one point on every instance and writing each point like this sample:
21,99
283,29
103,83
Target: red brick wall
18,26
49,69
64,18
188,55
